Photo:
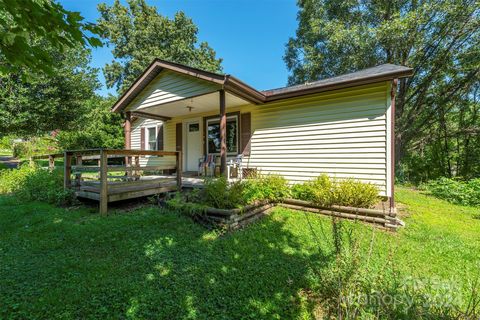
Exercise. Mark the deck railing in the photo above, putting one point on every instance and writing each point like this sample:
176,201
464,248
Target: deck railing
90,174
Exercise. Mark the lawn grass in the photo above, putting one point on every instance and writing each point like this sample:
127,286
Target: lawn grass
152,263
4,152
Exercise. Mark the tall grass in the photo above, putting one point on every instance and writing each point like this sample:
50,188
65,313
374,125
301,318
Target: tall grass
32,183
349,286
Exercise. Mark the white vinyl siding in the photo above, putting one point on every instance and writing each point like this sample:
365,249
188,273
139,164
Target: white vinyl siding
136,143
170,86
343,133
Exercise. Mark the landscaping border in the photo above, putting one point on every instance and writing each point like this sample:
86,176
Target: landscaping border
384,218
237,218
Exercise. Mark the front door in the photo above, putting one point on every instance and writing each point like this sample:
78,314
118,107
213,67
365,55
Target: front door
193,145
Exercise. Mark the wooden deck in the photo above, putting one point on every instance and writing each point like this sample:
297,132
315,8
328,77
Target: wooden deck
145,186
109,175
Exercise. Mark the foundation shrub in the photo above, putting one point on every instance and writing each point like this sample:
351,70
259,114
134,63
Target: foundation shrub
354,193
265,187
221,194
326,192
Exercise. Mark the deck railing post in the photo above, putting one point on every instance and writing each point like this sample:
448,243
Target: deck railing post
179,170
128,163
137,164
51,162
78,175
67,170
103,182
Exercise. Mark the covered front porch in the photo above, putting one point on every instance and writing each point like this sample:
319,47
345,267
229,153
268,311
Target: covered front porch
209,130
205,116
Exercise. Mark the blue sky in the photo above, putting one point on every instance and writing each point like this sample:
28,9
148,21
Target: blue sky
249,35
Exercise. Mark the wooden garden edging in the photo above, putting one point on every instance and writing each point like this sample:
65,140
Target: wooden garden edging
237,218
385,218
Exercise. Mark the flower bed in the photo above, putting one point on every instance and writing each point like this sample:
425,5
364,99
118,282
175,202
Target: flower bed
235,205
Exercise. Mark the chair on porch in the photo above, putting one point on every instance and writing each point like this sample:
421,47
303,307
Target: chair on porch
235,164
206,165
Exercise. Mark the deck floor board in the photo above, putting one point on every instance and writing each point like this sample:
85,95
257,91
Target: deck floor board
145,186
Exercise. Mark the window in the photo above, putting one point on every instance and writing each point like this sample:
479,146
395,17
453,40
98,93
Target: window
152,138
193,127
213,135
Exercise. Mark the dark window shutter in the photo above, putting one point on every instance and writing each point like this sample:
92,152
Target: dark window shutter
142,138
160,137
245,133
178,136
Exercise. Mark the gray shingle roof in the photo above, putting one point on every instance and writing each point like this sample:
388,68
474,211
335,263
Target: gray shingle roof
382,71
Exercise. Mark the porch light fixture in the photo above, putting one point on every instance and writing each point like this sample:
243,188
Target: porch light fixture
189,108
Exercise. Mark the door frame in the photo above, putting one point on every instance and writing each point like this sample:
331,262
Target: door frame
185,143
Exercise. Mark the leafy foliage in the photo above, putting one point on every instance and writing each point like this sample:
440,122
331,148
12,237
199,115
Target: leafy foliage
219,193
188,205
325,191
99,128
266,187
33,106
23,22
354,193
31,183
437,109
6,143
139,34
459,192
35,146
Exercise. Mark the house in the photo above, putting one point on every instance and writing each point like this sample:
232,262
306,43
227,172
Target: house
342,126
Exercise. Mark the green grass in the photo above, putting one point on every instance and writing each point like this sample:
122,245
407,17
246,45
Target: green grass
4,152
150,263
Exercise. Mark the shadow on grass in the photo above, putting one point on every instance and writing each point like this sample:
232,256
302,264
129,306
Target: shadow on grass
148,264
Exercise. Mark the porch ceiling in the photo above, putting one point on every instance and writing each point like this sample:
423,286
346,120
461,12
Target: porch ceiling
204,103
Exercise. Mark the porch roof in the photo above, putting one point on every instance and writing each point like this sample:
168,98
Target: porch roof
238,92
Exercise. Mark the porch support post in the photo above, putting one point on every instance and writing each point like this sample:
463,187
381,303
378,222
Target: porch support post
223,134
127,130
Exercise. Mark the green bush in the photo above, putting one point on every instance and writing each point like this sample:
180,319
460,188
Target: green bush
219,193
6,143
354,193
459,192
34,146
187,205
326,191
31,183
265,187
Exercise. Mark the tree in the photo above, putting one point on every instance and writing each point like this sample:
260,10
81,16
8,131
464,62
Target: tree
439,39
99,127
139,34
32,106
24,22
